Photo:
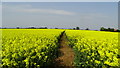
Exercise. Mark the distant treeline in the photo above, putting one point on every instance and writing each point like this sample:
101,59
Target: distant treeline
26,28
109,29
76,28
101,29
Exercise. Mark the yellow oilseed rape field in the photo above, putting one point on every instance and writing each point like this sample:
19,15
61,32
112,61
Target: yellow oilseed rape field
37,48
97,49
29,47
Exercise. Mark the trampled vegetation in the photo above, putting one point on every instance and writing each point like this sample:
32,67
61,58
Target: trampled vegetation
38,47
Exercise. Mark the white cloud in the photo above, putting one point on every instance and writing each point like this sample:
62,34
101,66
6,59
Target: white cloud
29,9
51,11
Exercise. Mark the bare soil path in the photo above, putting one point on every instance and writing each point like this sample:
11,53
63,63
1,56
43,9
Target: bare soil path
66,54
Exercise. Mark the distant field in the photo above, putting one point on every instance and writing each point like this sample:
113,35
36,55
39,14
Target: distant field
39,47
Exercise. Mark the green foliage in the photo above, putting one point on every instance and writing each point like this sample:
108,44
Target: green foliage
77,28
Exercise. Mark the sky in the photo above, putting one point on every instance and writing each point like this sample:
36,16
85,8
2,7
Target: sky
0,14
60,0
92,15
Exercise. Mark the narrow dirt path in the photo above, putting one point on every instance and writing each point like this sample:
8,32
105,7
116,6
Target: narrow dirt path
66,54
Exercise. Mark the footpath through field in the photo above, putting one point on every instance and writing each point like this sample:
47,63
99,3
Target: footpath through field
66,54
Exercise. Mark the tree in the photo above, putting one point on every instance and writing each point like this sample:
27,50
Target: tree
77,28
102,29
73,28
56,28
118,30
17,27
32,28
109,29
112,29
87,29
45,27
